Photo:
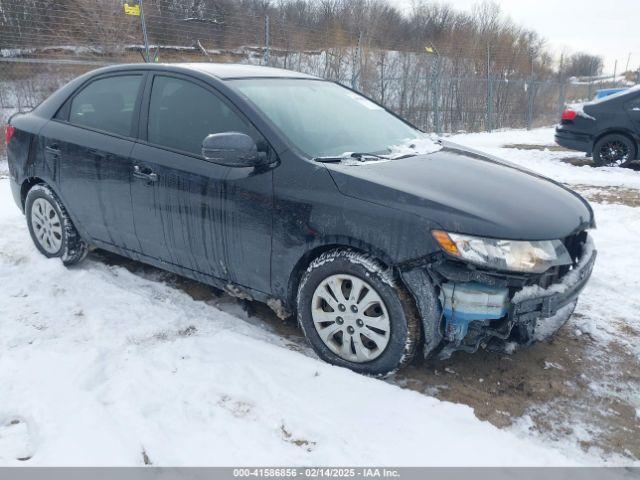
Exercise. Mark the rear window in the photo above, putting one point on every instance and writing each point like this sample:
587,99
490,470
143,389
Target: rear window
107,104
623,93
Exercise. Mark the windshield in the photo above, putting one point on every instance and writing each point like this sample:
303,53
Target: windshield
323,119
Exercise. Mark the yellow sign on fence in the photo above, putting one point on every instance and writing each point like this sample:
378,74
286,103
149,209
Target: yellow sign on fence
132,9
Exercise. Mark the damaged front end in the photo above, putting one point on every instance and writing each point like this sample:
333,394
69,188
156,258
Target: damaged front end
465,306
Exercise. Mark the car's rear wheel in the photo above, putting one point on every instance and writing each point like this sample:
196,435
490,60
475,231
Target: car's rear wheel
613,150
50,227
355,315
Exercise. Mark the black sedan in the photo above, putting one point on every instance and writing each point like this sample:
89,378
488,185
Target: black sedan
608,128
291,190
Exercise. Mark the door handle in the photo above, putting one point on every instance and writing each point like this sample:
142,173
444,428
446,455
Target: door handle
96,153
635,109
53,149
144,173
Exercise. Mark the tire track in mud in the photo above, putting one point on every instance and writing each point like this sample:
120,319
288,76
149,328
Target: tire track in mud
568,388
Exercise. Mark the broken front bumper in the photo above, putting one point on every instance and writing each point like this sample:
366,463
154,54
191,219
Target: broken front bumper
527,306
535,303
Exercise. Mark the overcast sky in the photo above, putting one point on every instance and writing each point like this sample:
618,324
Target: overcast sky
610,28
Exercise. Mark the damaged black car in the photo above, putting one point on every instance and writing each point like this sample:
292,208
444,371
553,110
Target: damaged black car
283,188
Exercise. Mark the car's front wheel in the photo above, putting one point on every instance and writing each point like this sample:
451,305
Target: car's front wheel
51,228
355,315
613,150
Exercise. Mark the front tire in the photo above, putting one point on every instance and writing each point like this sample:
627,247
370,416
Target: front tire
614,150
51,229
355,315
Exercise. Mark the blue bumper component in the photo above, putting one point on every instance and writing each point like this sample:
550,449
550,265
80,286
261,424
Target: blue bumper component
464,303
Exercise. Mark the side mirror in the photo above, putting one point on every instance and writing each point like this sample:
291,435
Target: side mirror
232,149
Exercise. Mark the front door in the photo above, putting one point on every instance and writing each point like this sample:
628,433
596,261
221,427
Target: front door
633,109
91,140
189,211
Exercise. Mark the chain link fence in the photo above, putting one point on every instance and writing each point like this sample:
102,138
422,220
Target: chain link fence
45,43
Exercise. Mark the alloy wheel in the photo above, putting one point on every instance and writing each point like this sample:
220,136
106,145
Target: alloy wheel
614,153
47,226
351,318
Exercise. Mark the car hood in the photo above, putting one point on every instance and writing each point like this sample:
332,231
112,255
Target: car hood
465,191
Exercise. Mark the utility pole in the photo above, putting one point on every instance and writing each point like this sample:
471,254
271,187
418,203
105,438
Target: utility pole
144,33
615,70
626,69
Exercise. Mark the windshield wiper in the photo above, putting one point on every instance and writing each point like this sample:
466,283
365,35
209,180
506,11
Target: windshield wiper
356,155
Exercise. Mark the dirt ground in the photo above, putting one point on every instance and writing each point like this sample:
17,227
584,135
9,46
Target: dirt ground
601,194
562,388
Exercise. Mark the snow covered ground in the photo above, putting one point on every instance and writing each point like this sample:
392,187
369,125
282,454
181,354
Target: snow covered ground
102,366
537,151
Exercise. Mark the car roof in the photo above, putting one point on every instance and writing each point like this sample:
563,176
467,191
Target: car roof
223,71
235,70
220,71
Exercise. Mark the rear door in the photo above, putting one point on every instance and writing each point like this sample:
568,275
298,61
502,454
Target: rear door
189,211
90,141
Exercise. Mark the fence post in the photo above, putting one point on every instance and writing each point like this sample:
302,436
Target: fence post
561,93
489,104
489,91
356,63
435,88
530,103
144,33
267,41
561,97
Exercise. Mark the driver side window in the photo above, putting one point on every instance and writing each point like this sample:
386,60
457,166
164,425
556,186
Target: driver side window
182,114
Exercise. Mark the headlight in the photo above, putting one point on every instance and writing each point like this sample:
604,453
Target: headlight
516,256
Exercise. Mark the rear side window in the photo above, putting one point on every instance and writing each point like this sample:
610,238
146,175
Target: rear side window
182,114
107,104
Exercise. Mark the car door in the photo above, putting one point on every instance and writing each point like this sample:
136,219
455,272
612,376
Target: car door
90,140
191,212
633,109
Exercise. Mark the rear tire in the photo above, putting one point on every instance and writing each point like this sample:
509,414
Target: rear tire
362,304
51,229
614,150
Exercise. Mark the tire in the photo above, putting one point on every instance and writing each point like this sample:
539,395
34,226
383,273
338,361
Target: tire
51,229
362,302
614,150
